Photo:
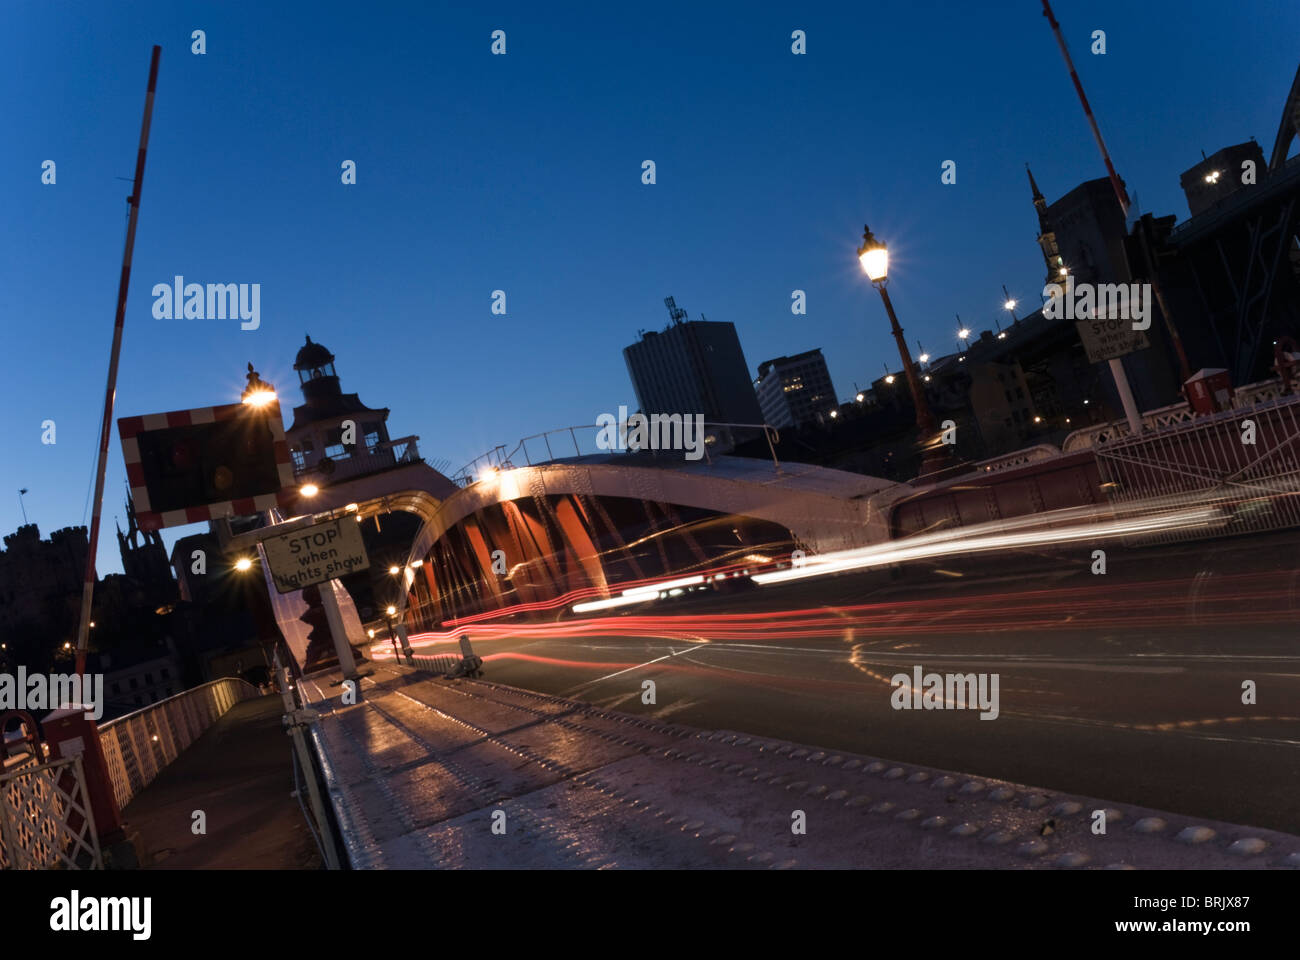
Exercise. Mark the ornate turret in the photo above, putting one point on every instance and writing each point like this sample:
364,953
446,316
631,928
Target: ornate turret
316,374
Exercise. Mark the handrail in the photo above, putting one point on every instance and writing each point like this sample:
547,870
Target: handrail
138,746
498,458
1244,398
176,696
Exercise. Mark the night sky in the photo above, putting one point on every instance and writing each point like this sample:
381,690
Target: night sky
523,173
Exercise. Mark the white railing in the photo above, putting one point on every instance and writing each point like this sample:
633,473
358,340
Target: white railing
138,746
1244,398
1248,487
566,438
45,818
1016,458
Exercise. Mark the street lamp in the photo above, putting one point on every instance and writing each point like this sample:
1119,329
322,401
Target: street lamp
1009,304
389,611
874,258
258,393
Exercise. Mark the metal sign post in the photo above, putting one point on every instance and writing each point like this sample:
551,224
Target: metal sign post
1110,340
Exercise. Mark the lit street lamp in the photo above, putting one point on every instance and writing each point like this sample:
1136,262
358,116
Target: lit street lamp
258,393
389,612
1009,304
874,258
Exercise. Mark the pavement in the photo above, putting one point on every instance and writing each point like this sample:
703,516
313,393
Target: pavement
238,773
426,772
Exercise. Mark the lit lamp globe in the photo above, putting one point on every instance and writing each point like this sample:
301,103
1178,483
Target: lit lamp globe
874,258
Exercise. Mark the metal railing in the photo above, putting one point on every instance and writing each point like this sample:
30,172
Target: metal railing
362,461
1249,485
1245,398
442,663
138,746
45,818
499,459
1016,458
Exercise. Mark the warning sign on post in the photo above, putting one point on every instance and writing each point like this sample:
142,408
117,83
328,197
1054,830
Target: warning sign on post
324,551
1108,338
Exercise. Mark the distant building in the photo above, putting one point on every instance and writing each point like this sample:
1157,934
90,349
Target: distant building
1085,235
41,581
795,390
135,681
145,562
1220,175
693,367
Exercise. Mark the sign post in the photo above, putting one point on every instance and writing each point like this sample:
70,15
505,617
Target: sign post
1109,339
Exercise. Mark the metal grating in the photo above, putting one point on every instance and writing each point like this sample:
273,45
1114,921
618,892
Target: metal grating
45,819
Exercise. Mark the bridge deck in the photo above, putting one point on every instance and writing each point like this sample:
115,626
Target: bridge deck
419,769
238,773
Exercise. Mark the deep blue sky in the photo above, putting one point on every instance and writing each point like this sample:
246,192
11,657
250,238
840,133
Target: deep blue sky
522,172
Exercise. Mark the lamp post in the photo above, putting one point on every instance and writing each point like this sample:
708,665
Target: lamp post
389,612
874,258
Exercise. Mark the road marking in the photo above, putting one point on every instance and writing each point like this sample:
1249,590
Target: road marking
617,673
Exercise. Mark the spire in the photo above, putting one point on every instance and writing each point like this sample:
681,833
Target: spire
1038,196
1046,235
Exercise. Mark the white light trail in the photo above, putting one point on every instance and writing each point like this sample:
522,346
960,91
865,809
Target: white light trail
1036,530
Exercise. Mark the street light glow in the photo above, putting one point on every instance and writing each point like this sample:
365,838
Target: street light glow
394,570
260,398
309,489
861,398
875,262
391,609
889,379
924,358
1010,304
963,333
242,564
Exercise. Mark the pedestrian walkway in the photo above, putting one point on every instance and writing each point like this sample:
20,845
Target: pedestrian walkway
238,773
429,772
